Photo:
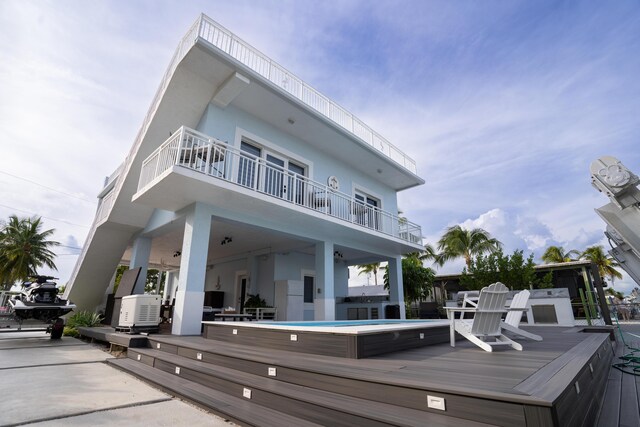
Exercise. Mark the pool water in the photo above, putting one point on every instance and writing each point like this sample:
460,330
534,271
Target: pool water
340,323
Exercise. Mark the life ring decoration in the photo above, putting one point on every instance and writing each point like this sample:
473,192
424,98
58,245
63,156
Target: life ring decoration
333,183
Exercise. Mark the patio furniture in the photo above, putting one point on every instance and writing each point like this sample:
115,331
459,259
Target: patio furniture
484,330
237,317
512,321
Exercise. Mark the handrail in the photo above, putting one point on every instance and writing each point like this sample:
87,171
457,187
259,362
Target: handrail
260,63
194,150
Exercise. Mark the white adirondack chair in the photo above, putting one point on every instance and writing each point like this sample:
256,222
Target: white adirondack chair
512,321
484,330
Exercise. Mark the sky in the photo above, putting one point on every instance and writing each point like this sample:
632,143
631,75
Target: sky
503,104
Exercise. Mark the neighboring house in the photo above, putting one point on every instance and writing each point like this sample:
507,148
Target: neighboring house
573,275
245,180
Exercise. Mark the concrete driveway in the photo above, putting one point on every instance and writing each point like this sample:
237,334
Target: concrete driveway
66,383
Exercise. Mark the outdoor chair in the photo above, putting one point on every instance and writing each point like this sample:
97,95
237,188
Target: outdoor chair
485,329
512,321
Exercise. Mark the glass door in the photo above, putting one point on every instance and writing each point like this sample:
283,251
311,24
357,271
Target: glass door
274,182
366,211
296,185
247,167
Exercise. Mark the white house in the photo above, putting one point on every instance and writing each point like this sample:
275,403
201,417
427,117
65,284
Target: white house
245,180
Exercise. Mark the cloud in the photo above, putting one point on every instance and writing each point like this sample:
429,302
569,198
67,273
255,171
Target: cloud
502,105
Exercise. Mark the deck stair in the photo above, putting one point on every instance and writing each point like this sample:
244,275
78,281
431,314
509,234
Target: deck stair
235,381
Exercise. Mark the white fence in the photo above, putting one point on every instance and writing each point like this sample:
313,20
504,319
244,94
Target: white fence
196,151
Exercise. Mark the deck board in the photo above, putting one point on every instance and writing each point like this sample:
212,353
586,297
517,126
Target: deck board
464,369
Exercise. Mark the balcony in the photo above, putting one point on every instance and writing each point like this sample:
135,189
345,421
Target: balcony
260,64
189,149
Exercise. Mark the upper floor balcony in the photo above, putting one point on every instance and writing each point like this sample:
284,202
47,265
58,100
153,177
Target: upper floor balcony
278,76
243,174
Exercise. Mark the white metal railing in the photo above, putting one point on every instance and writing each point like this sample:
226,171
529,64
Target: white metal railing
105,206
191,149
251,57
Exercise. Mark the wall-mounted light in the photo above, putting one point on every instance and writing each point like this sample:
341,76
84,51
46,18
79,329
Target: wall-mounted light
176,254
226,240
337,254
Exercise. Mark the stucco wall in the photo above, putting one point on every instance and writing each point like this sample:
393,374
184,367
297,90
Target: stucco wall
223,123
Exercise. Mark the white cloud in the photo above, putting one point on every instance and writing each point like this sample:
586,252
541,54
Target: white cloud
502,106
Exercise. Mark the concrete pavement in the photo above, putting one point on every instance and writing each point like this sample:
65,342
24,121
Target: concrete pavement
66,382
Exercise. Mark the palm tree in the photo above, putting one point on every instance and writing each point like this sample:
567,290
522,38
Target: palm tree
556,254
459,242
24,248
606,264
431,254
370,269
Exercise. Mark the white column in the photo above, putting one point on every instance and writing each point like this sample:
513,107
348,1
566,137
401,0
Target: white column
164,274
168,289
187,315
158,282
140,258
324,301
396,291
252,268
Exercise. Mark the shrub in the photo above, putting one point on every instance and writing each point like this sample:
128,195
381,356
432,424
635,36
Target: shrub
81,319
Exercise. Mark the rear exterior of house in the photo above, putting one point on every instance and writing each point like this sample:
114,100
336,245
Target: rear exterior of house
244,180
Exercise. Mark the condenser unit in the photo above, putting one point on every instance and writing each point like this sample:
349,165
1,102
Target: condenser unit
140,312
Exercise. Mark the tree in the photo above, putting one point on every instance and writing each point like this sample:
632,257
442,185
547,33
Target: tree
370,269
150,282
606,264
514,271
459,242
416,279
24,248
431,254
556,254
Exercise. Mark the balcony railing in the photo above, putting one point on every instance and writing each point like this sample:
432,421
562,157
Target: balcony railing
252,58
199,152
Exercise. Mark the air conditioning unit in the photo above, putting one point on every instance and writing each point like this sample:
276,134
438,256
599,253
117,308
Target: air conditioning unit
140,311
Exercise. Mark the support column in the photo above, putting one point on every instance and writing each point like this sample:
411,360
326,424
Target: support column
167,295
252,269
187,315
140,258
396,291
324,301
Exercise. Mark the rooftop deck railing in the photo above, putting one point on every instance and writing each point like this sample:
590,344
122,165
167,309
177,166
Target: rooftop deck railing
191,149
252,58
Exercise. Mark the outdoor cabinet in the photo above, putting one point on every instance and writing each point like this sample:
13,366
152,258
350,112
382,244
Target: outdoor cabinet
289,299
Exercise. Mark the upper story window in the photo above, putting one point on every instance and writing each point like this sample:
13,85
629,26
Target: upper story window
367,211
271,172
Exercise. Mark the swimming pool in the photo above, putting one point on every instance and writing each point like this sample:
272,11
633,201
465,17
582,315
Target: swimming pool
341,338
345,323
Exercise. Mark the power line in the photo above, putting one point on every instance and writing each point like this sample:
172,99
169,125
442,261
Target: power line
49,188
42,216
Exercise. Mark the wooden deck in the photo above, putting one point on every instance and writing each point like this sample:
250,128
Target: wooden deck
108,334
621,406
557,382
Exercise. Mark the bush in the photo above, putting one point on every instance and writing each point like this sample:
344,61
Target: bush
71,332
514,271
81,319
254,301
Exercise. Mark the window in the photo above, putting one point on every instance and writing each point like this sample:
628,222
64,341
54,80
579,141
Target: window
367,210
308,288
247,170
271,173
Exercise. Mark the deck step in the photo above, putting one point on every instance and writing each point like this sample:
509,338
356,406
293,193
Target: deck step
237,409
321,406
